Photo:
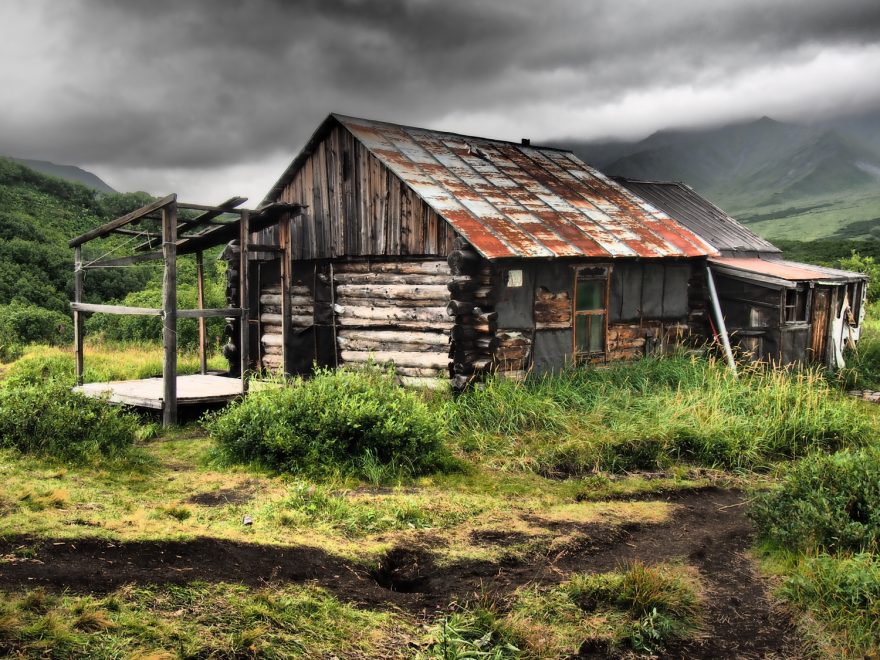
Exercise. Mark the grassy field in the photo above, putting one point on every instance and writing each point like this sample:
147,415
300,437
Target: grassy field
598,512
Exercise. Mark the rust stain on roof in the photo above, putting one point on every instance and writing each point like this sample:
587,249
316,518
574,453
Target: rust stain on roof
512,200
791,271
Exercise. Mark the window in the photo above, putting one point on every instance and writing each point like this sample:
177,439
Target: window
796,305
590,311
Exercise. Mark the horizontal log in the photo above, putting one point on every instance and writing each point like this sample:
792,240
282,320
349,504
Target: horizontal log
294,310
374,345
275,299
617,344
426,338
404,359
552,325
272,339
272,349
427,325
207,313
392,314
438,279
460,307
401,267
114,309
276,319
295,290
394,291
272,361
390,302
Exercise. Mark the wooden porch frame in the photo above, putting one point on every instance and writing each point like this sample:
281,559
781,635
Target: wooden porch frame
174,245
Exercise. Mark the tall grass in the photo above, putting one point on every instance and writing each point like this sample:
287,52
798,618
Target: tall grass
651,413
104,361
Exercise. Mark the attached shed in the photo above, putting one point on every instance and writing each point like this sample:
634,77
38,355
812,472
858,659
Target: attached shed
775,310
452,256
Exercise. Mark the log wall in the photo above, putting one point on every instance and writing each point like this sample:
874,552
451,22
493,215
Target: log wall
394,312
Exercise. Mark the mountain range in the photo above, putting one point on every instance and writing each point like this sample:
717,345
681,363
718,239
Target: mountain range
67,172
787,181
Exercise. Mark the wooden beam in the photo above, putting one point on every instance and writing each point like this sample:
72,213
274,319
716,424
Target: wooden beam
206,313
105,229
78,325
286,276
200,290
169,321
125,261
114,309
135,232
226,207
244,298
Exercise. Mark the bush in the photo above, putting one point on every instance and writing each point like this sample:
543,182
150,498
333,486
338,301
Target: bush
337,420
28,324
843,593
55,422
829,503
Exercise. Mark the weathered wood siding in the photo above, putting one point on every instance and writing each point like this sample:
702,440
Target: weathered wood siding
357,207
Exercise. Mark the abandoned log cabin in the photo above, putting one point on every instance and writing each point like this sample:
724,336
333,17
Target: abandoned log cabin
453,256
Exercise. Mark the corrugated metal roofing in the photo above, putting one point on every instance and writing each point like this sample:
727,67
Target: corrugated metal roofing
700,216
514,200
789,271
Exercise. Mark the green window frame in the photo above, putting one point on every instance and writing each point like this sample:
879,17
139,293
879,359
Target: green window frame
590,312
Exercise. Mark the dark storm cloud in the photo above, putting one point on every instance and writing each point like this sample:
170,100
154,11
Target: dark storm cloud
206,83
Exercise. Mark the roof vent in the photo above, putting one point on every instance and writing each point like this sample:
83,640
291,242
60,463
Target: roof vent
526,142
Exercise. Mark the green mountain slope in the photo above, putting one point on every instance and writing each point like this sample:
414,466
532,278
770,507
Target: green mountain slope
68,173
38,215
785,180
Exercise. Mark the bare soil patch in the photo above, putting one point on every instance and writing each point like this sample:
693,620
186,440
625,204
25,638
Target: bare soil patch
223,496
709,530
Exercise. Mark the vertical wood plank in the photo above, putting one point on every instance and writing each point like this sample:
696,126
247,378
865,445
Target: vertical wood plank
200,290
244,297
77,316
169,319
286,263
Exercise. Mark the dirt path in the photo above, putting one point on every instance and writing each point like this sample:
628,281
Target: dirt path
709,531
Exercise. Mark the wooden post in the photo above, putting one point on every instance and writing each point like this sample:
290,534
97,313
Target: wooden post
244,298
77,315
203,349
169,311
286,264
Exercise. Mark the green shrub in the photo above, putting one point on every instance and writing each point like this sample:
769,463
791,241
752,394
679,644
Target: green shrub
337,420
827,503
844,594
27,324
55,422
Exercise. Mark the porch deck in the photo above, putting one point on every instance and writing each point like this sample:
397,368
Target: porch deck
147,392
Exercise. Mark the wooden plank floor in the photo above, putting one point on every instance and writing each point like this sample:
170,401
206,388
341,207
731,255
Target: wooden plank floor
147,392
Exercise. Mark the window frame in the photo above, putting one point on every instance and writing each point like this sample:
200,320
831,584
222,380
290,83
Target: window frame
597,273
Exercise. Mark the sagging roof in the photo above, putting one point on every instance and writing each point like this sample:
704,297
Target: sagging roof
701,216
780,272
515,200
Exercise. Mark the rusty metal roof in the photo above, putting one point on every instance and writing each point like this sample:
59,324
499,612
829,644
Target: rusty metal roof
701,216
515,200
782,270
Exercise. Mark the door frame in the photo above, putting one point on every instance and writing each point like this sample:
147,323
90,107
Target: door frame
605,275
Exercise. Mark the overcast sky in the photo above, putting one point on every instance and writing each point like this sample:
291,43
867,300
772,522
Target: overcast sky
211,98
